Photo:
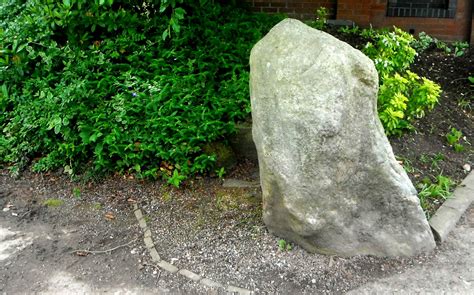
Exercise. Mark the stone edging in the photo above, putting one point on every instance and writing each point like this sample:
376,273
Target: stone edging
166,266
445,219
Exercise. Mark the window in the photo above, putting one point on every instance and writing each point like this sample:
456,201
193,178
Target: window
422,8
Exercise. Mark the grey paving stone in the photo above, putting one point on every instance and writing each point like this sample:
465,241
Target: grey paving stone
190,275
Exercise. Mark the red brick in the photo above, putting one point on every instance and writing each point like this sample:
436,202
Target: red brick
373,12
286,10
278,4
269,9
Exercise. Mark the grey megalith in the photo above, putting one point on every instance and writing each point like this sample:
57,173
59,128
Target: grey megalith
329,178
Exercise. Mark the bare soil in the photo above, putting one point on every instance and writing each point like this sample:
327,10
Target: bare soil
214,231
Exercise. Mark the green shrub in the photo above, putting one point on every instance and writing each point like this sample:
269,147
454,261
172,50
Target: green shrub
423,42
390,51
404,98
454,137
403,95
321,16
98,87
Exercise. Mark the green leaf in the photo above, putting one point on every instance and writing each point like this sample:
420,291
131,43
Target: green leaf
95,136
179,13
57,129
85,135
165,34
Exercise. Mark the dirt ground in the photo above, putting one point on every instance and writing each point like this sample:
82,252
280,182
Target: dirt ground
211,230
47,262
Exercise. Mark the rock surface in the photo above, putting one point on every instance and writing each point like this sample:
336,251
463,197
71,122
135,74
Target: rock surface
329,178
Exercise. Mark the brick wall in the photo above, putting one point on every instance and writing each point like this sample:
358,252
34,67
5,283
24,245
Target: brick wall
373,12
302,9
472,26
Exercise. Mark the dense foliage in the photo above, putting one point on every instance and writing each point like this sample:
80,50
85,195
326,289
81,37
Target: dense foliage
403,95
98,87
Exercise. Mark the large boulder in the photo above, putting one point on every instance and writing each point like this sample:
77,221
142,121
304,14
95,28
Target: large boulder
329,178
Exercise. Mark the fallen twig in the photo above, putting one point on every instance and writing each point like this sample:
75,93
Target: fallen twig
24,214
87,252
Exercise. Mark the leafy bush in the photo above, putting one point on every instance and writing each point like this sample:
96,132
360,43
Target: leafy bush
98,86
460,48
404,98
403,95
391,52
423,42
321,16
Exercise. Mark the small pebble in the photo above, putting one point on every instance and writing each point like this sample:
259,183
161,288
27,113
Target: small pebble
466,167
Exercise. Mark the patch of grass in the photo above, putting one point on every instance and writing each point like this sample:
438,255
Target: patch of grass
433,160
166,196
147,218
76,192
465,103
283,245
432,194
53,202
233,199
453,137
406,164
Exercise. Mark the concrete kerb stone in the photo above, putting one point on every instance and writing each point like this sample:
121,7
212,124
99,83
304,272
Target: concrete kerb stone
167,266
234,289
154,255
147,233
190,275
142,223
148,242
211,283
150,245
445,219
138,214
